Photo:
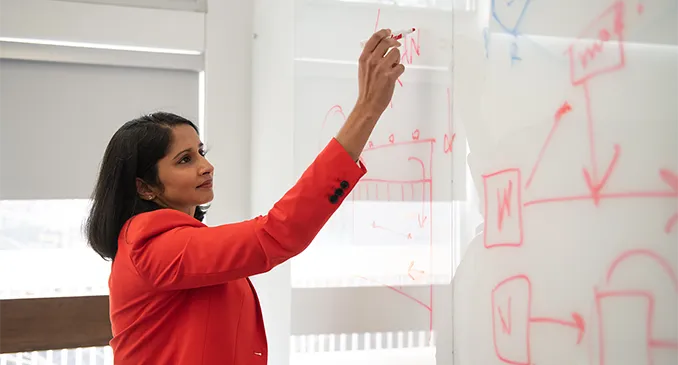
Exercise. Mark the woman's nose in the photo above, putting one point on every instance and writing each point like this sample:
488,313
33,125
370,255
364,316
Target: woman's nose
207,168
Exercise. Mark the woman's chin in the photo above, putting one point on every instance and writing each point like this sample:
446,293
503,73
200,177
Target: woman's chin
206,197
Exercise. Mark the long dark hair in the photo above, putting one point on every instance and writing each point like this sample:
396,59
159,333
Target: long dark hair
133,152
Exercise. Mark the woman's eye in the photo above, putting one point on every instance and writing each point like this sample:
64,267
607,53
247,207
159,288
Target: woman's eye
203,152
185,159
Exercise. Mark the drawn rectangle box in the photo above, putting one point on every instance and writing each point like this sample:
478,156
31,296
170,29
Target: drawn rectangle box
599,49
503,209
511,312
624,327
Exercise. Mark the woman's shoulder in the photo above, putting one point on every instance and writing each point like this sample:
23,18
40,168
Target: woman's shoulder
144,226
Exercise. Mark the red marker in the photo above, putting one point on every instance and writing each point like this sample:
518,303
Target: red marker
395,35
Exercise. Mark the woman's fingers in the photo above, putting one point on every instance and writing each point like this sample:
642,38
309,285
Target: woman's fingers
373,42
397,70
391,59
383,47
379,68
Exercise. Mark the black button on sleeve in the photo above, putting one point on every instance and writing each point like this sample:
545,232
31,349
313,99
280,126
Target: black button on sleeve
339,192
334,199
344,184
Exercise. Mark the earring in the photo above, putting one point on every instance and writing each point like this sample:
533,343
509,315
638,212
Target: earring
149,197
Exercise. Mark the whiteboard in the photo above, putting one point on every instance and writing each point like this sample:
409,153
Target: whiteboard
394,230
571,118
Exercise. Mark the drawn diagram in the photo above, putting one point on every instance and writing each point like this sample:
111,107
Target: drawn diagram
513,319
509,14
504,219
642,306
618,309
504,190
411,182
400,171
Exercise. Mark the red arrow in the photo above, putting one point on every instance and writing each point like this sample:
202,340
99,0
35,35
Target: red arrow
422,221
564,109
407,235
577,322
411,270
671,179
595,185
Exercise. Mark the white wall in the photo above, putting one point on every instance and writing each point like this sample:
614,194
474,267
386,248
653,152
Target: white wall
272,152
102,24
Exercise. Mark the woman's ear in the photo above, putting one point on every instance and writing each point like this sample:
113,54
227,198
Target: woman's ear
144,190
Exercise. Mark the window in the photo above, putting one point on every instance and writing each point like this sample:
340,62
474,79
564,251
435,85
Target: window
43,254
43,251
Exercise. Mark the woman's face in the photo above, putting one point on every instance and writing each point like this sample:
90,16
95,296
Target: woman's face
185,173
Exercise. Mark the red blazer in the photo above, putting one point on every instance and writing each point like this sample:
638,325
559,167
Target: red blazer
179,290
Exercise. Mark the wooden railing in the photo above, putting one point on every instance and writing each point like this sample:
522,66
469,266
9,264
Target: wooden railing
38,324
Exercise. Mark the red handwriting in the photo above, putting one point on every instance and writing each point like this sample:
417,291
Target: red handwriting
504,326
594,184
657,259
413,273
671,223
670,178
449,136
495,233
516,291
625,195
335,109
504,204
423,179
591,52
517,287
424,305
565,108
448,141
423,174
376,23
607,26
511,344
406,235
585,65
421,220
410,48
409,45
577,322
633,294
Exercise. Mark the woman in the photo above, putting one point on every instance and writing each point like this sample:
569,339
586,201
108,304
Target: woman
179,291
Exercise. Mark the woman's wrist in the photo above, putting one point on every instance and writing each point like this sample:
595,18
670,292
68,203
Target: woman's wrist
363,114
356,131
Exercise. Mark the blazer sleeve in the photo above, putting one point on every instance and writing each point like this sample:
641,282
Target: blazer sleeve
172,250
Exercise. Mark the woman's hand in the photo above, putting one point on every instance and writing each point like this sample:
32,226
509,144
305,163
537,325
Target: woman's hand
377,75
378,72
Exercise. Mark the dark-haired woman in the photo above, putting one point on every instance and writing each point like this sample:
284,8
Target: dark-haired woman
179,290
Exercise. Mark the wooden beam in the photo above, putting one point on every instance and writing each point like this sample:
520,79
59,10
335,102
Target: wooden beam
40,324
